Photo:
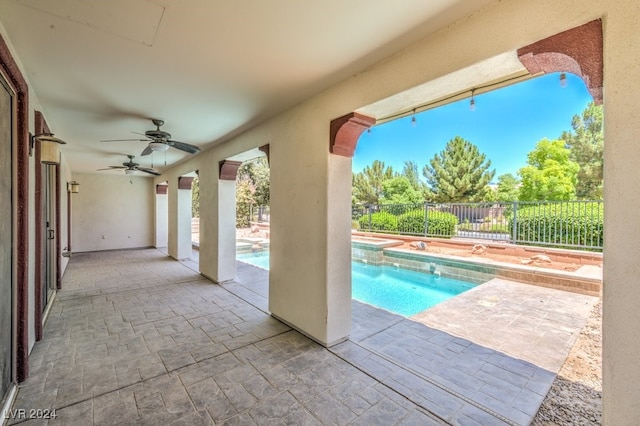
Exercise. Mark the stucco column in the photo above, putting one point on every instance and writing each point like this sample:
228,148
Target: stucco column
180,219
310,268
621,292
338,249
218,223
161,216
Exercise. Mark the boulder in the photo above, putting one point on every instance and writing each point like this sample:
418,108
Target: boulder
419,245
478,249
541,258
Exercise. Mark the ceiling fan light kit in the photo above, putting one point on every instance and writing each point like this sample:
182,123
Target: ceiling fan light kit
158,146
160,141
131,168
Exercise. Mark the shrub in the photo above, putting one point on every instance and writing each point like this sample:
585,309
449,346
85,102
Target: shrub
379,222
439,224
494,228
398,209
562,224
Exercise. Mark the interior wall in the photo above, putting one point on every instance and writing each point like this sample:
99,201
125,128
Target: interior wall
110,213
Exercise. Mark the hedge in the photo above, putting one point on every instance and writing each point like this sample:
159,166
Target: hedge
565,224
440,224
379,222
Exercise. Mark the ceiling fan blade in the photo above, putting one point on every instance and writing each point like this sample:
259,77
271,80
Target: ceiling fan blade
147,151
148,170
126,140
113,167
191,149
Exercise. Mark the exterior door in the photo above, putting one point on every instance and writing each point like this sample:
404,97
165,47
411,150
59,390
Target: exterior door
49,272
6,241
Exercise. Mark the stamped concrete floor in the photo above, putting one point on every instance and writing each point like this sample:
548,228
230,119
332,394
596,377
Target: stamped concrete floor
136,338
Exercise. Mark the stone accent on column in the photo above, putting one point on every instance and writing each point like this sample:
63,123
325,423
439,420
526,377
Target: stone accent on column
345,132
578,51
229,169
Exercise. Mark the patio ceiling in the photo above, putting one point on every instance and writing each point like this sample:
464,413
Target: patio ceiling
210,69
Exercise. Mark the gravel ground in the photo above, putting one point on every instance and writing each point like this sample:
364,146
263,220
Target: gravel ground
575,397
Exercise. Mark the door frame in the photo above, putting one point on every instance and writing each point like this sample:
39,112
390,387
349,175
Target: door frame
11,72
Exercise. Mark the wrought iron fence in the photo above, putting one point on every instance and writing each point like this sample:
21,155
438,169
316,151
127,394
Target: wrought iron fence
562,224
565,224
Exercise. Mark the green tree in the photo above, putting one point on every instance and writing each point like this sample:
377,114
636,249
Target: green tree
367,185
586,144
410,171
507,188
245,198
258,173
550,174
252,188
398,190
458,173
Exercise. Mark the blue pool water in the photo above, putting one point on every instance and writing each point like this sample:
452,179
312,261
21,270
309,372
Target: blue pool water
397,290
259,259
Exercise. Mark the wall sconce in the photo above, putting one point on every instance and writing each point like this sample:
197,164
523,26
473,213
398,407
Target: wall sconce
50,150
73,187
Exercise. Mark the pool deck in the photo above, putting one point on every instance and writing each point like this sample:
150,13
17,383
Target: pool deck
137,338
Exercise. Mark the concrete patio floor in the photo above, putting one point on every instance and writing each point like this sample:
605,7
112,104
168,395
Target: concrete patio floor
137,338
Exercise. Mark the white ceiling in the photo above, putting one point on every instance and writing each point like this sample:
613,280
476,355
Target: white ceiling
209,68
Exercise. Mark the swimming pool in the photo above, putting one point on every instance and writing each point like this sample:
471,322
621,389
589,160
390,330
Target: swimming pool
394,289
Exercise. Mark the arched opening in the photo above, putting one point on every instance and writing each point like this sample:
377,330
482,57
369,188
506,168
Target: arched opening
383,339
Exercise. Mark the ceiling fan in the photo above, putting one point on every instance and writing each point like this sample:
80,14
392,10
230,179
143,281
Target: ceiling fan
132,168
159,141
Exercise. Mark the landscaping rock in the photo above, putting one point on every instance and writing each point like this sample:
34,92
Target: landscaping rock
419,245
478,249
541,258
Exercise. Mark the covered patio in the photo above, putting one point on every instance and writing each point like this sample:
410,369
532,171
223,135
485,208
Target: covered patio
135,337
297,85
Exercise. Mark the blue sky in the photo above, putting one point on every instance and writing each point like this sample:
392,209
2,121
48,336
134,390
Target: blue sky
505,126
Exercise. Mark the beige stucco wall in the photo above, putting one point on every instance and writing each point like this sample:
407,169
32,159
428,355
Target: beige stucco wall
34,104
108,204
309,277
161,220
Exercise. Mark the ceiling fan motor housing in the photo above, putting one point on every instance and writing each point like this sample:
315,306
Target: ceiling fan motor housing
157,134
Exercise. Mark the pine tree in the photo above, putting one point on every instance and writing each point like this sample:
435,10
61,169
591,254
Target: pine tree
586,144
459,173
367,185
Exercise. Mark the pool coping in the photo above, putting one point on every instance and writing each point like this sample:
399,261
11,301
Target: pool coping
544,277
